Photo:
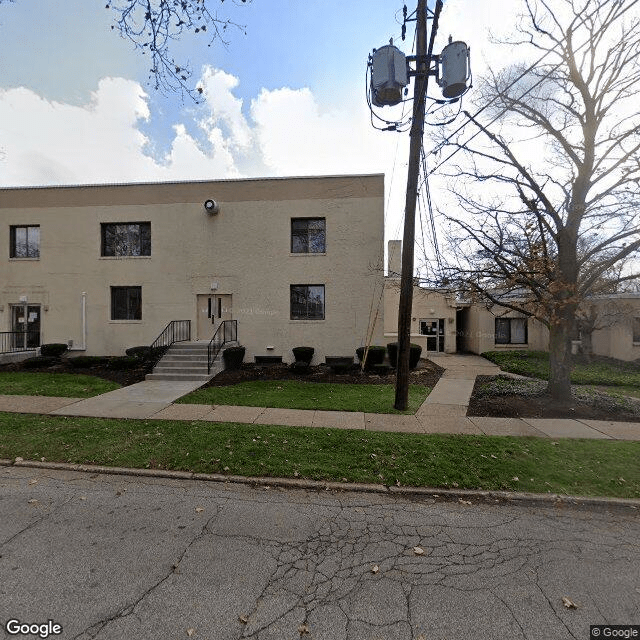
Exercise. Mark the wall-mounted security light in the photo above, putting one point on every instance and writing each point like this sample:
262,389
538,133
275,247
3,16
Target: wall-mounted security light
211,207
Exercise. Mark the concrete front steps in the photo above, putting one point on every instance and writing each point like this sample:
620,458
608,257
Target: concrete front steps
187,361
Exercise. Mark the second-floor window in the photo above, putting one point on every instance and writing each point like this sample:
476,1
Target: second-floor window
25,241
308,235
126,239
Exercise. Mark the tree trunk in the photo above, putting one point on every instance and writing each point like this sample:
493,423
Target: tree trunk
560,362
587,345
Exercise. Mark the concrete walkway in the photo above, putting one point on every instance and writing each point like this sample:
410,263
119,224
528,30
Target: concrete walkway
444,410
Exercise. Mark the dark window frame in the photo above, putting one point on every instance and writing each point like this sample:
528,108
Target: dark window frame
126,303
305,239
506,322
295,305
132,243
13,244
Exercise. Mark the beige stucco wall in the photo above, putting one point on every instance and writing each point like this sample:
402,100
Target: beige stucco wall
427,304
616,340
477,331
245,249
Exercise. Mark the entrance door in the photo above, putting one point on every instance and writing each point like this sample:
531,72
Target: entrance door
30,324
433,329
212,310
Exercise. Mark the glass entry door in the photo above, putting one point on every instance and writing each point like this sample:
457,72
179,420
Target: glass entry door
30,324
433,329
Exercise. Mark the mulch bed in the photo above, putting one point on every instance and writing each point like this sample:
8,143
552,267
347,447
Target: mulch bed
426,374
543,406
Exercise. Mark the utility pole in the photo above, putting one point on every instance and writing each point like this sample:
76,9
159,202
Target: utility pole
423,60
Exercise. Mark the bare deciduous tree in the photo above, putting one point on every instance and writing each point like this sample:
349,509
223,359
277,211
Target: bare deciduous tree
154,25
548,192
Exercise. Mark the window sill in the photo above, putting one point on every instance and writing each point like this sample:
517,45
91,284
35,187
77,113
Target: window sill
24,259
307,255
306,321
125,321
511,345
124,258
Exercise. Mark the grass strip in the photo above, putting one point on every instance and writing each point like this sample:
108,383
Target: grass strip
569,466
291,394
535,364
64,385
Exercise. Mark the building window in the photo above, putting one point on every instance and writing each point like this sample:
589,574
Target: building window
636,329
126,239
25,242
308,235
511,331
307,302
126,303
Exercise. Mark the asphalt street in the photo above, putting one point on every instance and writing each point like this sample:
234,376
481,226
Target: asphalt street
110,557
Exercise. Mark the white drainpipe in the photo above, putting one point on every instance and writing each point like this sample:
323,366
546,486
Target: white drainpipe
83,306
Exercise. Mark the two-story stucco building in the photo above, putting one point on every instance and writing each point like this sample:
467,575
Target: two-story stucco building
296,261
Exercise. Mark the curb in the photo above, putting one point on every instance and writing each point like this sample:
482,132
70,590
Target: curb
433,495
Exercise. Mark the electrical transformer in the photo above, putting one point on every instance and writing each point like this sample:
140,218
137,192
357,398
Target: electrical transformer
454,69
388,75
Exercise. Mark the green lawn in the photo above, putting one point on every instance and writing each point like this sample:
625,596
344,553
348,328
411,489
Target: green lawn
291,394
65,385
577,467
535,364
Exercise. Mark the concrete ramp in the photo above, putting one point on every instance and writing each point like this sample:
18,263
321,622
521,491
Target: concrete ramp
141,400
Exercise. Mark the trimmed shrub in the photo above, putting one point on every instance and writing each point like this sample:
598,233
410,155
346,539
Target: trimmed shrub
123,363
375,355
233,357
86,362
40,361
303,354
143,352
415,350
339,364
53,350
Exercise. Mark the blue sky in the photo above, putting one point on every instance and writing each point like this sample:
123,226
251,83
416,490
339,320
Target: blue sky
287,98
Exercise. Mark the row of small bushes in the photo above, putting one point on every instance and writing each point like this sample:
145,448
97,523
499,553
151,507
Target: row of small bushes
375,356
136,357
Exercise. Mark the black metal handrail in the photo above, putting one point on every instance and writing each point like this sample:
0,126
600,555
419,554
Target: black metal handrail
12,341
226,332
175,331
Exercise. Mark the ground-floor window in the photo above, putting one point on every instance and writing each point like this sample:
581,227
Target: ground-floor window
307,301
126,303
511,331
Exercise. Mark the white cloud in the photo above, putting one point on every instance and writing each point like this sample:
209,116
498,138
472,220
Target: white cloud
43,142
295,137
224,109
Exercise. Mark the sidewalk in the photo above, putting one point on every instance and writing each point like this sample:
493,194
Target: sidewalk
444,410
